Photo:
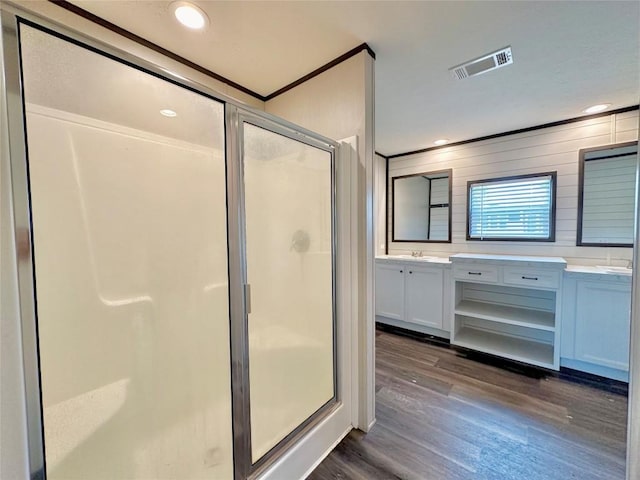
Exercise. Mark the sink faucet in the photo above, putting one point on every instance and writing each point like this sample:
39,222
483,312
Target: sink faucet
416,254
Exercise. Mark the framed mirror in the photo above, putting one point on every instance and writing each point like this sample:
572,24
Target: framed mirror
421,207
607,195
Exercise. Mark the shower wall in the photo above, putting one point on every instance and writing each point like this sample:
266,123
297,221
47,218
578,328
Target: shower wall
127,210
131,274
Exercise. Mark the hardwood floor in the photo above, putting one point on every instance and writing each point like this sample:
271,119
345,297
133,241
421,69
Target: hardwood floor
444,416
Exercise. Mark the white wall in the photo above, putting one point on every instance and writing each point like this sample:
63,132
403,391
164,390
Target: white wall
549,149
332,104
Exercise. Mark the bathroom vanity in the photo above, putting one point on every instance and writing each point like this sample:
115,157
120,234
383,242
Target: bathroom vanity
535,310
508,306
413,293
596,321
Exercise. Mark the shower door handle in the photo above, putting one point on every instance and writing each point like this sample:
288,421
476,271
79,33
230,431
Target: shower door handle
247,297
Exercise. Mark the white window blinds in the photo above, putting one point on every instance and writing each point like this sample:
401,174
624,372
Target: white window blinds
517,208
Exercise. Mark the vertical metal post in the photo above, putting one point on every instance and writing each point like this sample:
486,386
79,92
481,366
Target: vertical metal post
237,308
18,166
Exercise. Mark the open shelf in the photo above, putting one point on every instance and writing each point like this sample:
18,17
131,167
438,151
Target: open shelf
514,348
523,317
508,318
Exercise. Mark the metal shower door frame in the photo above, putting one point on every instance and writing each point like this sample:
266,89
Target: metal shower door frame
16,212
235,120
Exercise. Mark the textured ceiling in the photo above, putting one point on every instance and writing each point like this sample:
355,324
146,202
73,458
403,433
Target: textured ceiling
567,55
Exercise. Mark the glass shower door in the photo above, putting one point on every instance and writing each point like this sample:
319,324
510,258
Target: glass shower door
288,206
128,198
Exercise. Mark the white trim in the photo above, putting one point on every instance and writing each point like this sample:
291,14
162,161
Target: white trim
370,426
436,332
326,453
633,417
348,166
594,369
367,414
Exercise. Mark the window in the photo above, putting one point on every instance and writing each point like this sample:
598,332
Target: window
512,208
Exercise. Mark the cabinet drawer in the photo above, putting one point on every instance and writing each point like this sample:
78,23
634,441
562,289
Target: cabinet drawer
531,277
476,273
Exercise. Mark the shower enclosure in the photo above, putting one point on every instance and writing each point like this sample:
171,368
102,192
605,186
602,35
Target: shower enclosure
176,263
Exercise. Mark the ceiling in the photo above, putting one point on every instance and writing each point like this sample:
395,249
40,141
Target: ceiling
567,56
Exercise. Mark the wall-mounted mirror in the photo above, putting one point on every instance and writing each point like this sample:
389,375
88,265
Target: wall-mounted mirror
607,195
422,207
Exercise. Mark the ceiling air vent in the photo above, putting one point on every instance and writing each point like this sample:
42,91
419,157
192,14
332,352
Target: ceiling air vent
483,64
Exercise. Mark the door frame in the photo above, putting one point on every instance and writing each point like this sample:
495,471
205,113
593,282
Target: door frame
236,118
633,412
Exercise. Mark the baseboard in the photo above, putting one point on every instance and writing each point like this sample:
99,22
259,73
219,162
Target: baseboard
370,426
597,370
326,454
414,331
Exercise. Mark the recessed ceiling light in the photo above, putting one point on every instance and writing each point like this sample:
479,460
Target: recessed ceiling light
597,108
442,141
190,15
168,113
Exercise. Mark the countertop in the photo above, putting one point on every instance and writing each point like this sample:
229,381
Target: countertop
602,270
409,258
599,270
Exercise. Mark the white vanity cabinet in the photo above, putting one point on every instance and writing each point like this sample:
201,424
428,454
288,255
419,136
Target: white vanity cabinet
596,325
508,306
423,288
412,294
390,290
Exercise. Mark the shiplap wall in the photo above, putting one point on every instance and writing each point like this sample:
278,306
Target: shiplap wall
439,216
608,209
549,149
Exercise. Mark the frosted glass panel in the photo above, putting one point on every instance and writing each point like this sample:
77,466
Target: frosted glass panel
289,267
130,248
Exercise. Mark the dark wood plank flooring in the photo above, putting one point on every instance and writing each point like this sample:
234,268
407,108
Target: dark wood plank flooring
445,415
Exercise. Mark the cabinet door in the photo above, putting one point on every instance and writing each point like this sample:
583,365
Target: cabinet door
390,290
423,293
603,323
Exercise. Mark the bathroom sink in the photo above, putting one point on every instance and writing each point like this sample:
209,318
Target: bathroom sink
616,270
